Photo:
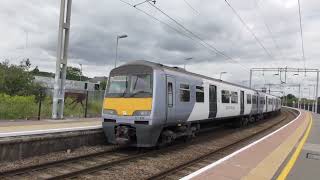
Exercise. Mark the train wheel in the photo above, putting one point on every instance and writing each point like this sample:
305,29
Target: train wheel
252,119
241,122
245,121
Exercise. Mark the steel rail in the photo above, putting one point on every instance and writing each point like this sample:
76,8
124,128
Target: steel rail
46,165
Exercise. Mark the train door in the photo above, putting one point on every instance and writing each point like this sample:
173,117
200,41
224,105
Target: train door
171,97
212,101
241,102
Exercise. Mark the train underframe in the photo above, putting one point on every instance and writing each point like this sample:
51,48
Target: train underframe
141,135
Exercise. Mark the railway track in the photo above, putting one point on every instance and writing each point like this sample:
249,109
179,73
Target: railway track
66,166
104,162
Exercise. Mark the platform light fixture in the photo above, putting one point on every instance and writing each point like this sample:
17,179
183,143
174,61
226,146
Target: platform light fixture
187,59
221,74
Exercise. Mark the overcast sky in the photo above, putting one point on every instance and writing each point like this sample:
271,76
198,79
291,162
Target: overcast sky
96,23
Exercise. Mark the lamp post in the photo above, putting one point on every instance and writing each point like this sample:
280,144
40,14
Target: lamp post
185,63
118,37
221,74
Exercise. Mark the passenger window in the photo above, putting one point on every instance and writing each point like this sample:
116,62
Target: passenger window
170,94
234,97
254,99
199,94
248,98
184,93
225,96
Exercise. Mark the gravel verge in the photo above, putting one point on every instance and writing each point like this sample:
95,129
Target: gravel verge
56,156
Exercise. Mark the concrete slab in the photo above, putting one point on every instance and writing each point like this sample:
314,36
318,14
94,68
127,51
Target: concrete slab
308,162
21,128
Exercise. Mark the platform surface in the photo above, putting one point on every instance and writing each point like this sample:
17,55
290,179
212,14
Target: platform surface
267,157
30,127
307,165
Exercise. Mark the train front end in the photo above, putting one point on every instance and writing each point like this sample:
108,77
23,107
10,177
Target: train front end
128,106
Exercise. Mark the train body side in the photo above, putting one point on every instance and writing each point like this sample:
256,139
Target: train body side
180,102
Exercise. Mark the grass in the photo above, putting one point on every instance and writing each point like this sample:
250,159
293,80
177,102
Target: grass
25,107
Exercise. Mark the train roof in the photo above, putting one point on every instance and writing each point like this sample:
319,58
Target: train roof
181,70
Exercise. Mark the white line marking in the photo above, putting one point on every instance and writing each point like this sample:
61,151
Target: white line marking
47,131
192,175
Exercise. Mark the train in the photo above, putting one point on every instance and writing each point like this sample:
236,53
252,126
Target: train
147,104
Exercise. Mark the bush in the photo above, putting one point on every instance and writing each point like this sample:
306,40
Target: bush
26,107
17,107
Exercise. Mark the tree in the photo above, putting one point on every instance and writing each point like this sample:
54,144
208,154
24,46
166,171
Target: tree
73,73
103,85
26,64
37,72
291,96
16,80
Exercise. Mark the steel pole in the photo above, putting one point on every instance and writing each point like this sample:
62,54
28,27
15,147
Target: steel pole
61,63
315,99
115,62
299,97
250,79
317,89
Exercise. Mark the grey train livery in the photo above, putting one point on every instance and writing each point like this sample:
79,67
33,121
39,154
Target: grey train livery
147,104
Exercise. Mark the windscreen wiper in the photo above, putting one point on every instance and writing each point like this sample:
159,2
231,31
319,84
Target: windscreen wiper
125,90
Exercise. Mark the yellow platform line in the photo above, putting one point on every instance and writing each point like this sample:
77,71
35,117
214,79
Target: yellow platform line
286,170
269,166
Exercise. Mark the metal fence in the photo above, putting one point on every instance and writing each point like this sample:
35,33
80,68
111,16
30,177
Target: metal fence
78,104
307,107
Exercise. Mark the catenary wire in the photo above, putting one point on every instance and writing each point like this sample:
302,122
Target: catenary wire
301,35
214,49
195,38
248,28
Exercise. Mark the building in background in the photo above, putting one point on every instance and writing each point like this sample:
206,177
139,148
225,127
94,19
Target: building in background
71,85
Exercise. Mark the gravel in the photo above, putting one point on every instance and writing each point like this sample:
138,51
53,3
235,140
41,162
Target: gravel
56,156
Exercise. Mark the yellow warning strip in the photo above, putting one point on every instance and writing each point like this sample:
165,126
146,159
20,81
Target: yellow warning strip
286,170
270,165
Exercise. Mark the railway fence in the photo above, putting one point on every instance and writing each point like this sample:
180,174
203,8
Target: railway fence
78,104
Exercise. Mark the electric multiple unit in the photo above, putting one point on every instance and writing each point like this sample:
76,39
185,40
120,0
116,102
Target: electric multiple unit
147,104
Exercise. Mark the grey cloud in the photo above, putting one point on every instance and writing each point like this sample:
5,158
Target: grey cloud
95,25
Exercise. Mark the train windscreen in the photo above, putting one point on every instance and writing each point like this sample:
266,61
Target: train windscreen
138,85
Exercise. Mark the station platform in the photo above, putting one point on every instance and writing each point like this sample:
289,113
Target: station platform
291,152
34,127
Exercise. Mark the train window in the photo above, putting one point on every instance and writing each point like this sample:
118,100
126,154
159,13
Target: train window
262,100
254,99
225,96
248,98
170,94
234,97
199,94
184,93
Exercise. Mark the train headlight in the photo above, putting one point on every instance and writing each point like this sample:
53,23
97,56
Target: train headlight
142,113
109,112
